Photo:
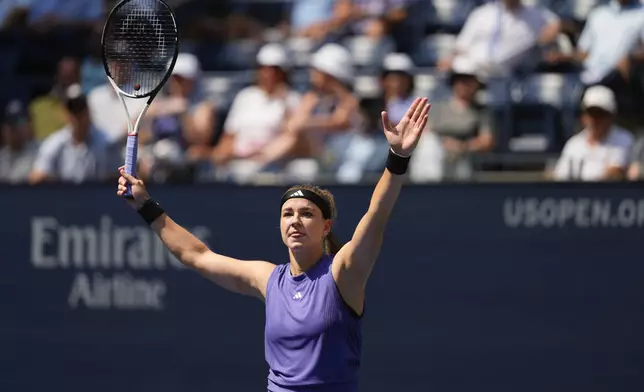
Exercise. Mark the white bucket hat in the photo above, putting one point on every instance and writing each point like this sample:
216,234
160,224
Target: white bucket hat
463,66
600,97
398,62
187,66
273,55
334,60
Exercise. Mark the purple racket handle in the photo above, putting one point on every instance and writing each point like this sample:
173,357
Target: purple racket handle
130,161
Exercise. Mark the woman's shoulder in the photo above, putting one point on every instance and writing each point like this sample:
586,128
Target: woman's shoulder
278,271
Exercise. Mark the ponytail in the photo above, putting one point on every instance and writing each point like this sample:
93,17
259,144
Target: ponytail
332,244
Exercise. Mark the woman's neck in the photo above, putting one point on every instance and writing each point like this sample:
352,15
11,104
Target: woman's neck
597,136
303,260
272,90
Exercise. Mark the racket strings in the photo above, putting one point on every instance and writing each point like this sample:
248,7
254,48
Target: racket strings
139,45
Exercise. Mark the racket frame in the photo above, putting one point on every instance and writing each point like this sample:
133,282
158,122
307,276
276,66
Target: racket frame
131,150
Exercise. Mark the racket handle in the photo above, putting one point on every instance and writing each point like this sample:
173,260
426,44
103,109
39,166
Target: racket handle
130,161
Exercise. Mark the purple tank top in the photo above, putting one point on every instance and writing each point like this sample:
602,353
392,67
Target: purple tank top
313,338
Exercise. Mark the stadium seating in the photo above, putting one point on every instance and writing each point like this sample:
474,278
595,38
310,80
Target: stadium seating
367,53
222,87
433,48
534,113
449,15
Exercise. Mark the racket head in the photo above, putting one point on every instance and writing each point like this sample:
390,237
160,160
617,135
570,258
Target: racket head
140,45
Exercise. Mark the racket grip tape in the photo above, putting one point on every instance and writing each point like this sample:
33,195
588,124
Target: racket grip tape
130,161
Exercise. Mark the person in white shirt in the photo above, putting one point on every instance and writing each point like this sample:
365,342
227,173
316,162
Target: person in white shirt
328,118
611,39
257,115
601,151
78,152
498,36
179,124
461,127
610,52
107,112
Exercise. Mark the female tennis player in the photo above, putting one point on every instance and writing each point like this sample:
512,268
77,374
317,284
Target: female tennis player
314,303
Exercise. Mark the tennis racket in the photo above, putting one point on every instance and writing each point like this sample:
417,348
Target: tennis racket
140,45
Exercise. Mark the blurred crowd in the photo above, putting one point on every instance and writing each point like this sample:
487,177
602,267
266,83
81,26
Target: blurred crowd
273,91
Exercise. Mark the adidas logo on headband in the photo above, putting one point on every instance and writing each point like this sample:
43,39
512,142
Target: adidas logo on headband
319,201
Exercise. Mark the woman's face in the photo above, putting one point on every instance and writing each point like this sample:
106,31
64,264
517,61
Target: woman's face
397,84
269,77
597,120
302,224
466,87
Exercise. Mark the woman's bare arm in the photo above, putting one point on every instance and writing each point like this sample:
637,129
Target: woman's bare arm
239,276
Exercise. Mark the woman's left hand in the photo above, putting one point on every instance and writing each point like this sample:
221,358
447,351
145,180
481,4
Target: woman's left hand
404,137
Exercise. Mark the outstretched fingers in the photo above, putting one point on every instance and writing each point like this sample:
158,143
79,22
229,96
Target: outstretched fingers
423,119
385,120
412,108
423,124
422,104
426,109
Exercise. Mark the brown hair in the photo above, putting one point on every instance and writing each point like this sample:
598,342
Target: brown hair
332,244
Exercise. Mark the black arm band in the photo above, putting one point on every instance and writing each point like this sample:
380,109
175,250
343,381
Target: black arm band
150,211
397,164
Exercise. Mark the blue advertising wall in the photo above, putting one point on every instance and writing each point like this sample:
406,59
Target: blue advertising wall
478,288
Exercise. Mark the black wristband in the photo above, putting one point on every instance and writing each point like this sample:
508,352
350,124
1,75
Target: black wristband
397,164
150,211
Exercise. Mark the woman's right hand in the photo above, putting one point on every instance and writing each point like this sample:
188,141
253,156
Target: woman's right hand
139,193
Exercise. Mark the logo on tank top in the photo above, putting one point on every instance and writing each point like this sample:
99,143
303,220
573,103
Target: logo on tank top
297,296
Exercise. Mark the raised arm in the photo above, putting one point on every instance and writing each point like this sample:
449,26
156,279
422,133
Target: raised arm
243,277
354,262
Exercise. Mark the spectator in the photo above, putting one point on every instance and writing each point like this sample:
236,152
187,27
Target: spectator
397,92
362,155
47,112
461,124
600,152
19,151
258,114
79,152
397,86
611,51
328,116
183,119
498,36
